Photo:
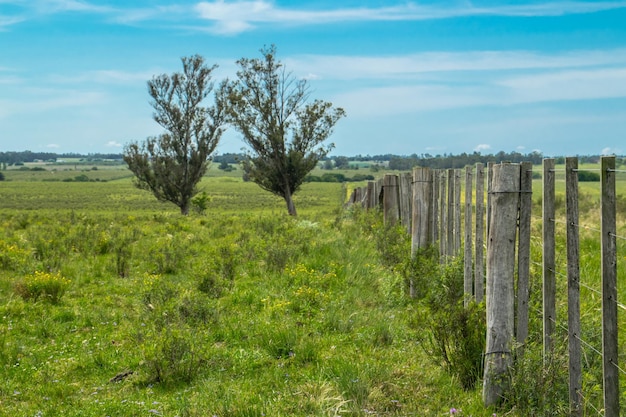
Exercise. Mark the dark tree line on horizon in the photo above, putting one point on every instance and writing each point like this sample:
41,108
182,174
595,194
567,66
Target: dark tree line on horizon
394,161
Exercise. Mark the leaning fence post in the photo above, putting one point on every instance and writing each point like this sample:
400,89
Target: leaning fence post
479,270
501,281
468,277
573,286
391,197
549,276
523,260
609,290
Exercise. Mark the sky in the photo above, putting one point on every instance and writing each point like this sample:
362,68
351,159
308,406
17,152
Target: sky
414,77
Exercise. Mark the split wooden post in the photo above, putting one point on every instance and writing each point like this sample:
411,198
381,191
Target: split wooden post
501,281
468,277
549,276
391,197
479,266
573,287
523,256
609,289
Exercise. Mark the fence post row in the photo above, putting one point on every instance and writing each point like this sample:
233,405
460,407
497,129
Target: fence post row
434,203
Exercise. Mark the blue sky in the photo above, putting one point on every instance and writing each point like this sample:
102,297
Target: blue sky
413,76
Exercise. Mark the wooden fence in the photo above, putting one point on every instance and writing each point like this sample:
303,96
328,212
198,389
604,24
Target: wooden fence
428,204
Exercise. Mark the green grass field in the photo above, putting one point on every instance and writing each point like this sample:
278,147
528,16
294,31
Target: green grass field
112,304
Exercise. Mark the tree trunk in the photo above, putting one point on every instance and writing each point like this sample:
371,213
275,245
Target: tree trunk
184,209
291,207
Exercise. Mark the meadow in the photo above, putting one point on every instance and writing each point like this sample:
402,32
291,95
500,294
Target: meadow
112,304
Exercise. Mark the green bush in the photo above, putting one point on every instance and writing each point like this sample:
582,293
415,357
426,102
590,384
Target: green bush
46,285
539,386
587,176
170,358
456,340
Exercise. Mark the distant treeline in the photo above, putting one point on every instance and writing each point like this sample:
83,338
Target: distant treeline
17,158
391,161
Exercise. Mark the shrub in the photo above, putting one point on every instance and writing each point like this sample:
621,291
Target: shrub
539,386
456,334
47,285
170,357
200,202
12,257
586,176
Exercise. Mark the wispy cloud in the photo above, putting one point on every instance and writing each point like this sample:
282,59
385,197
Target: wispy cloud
436,81
104,77
416,65
234,17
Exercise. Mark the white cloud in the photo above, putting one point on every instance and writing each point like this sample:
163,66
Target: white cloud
113,144
567,85
482,147
239,16
53,146
434,63
610,151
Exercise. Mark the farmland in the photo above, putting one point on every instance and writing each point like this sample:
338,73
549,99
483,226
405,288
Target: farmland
239,311
114,304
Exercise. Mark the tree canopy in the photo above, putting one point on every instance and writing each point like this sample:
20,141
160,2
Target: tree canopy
171,164
284,131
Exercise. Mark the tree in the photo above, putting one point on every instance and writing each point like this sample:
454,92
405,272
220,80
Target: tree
342,162
268,106
172,164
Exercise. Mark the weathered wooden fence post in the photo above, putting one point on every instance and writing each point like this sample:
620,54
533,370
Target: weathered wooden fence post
609,289
422,216
468,277
435,209
501,281
489,180
405,200
549,276
443,217
372,193
457,212
479,270
523,256
573,287
450,219
391,197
